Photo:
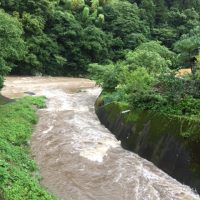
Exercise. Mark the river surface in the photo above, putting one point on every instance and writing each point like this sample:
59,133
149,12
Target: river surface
79,159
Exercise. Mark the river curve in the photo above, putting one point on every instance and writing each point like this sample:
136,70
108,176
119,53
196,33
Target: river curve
79,158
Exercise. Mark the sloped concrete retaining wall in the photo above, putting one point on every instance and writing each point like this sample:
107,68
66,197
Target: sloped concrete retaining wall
161,139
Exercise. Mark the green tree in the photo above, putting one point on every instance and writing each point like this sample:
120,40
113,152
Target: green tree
11,43
122,19
156,46
152,61
40,7
187,46
77,4
135,83
151,55
148,11
96,45
104,75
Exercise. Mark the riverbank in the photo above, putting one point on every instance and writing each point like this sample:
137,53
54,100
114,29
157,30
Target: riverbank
19,177
79,158
3,100
171,143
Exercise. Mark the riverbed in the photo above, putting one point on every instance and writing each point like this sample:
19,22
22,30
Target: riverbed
79,158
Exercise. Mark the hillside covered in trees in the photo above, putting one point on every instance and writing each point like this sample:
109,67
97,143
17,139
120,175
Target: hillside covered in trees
133,43
132,48
61,37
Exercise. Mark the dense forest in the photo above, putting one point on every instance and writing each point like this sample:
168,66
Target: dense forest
132,48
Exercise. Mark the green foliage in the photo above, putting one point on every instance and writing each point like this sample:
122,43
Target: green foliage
101,19
58,33
56,37
86,12
144,80
16,167
187,46
96,44
95,4
124,39
77,4
151,55
15,113
156,46
152,61
105,75
122,19
39,7
170,95
11,44
130,44
138,80
134,83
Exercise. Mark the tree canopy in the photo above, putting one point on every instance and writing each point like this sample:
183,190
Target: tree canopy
62,37
11,43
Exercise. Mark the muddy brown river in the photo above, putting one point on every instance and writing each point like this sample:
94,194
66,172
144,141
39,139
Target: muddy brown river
79,159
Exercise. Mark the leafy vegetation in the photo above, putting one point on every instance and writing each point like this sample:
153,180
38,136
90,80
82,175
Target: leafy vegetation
11,43
146,80
62,37
17,179
133,48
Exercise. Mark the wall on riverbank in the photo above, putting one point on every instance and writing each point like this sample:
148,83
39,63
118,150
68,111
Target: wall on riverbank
171,143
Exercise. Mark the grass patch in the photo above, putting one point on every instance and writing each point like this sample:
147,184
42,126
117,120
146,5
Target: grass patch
17,179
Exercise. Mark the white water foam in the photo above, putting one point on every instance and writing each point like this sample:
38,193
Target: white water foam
85,136
48,130
91,144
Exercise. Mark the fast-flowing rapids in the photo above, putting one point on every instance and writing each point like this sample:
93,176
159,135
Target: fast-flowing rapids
79,158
